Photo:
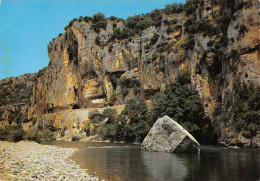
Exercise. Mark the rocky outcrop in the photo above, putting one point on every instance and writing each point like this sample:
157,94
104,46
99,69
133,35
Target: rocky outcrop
15,93
101,62
166,135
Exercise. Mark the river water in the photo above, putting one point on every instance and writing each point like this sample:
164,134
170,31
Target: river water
126,162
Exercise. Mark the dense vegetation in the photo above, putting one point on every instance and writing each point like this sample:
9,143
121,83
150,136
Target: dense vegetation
16,133
241,110
131,125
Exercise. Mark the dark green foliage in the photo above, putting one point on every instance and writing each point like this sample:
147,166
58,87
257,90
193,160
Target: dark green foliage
154,39
136,90
20,86
134,25
224,23
147,46
243,29
98,41
62,132
131,125
192,26
189,42
165,46
223,41
243,111
20,93
12,133
75,138
46,134
183,78
110,48
88,132
173,8
190,6
215,65
41,72
169,30
99,22
96,117
113,18
125,91
135,111
87,19
156,17
109,113
246,110
70,24
210,43
155,56
170,22
95,130
183,104
124,34
138,23
32,136
110,130
16,133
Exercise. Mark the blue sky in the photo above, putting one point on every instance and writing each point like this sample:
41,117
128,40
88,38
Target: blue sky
27,26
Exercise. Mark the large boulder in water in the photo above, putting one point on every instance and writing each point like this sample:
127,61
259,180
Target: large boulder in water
168,136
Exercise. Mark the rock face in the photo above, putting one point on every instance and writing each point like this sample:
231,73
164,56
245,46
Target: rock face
15,94
166,135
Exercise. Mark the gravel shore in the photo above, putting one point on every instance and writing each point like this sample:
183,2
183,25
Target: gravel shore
32,161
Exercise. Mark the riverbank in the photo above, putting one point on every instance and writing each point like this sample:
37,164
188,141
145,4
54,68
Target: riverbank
32,161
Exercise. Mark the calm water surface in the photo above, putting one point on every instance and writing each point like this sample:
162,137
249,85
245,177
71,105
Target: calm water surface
127,162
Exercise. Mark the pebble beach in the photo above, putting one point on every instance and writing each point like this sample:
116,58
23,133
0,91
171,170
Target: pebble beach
32,161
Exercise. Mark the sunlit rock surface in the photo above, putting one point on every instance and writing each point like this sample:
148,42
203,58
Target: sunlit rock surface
166,135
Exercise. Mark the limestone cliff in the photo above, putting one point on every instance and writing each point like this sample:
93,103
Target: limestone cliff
99,62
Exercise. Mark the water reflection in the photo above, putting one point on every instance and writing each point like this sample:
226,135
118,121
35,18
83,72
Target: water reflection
225,165
164,166
128,162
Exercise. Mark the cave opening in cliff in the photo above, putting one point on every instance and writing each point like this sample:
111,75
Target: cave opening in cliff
75,106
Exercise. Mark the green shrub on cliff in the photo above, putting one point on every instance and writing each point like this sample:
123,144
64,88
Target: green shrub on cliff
243,111
173,8
99,22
